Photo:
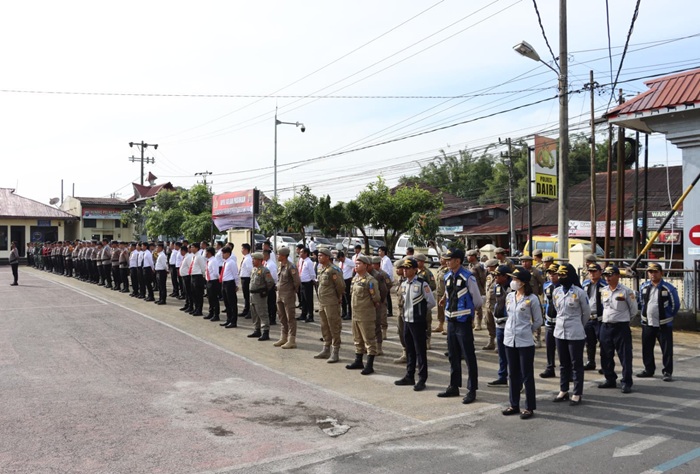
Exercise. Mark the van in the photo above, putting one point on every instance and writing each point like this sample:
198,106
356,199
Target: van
550,246
405,241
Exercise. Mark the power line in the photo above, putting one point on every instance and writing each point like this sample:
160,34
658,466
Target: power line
544,35
624,51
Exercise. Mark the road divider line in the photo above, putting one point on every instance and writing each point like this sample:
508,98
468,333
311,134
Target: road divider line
675,462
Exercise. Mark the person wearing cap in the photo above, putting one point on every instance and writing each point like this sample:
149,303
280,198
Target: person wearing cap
427,275
245,271
660,304
419,300
305,267
500,289
619,305
106,263
365,299
489,302
593,286
546,262
537,282
462,298
288,283
123,267
479,272
500,253
347,266
261,283
573,312
384,283
400,302
537,259
589,259
230,282
439,293
331,288
524,317
550,320
161,267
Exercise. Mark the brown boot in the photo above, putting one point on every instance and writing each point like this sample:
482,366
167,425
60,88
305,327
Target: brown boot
490,346
440,328
291,343
324,354
402,359
282,341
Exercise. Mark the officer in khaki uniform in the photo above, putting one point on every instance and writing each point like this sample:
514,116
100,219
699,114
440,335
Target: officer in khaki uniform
288,283
426,275
331,288
261,283
479,273
116,275
590,259
489,303
500,253
439,293
365,299
400,296
384,287
537,262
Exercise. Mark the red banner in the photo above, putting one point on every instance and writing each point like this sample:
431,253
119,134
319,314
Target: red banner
235,209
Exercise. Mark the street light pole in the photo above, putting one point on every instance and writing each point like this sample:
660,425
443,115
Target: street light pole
528,51
303,129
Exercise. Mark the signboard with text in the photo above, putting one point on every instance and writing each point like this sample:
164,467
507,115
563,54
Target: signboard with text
101,213
234,209
583,228
544,168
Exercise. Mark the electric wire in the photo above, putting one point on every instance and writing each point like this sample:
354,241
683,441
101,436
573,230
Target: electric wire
544,34
624,50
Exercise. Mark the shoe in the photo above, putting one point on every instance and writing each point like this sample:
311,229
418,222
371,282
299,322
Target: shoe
324,354
490,346
590,365
255,334
439,329
561,399
197,313
469,397
14,284
573,402
420,386
158,302
369,367
309,320
225,324
626,389
357,364
208,316
449,392
608,384
346,318
401,359
600,371
265,336
498,383
149,299
334,355
548,374
273,323
644,374
668,378
301,318
231,326
510,411
291,343
248,317
282,341
185,308
214,319
405,381
526,414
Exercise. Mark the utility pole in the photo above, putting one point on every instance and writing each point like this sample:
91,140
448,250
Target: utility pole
592,86
204,175
511,209
143,159
563,185
620,199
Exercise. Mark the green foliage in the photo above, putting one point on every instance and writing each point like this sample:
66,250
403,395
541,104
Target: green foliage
357,217
197,227
299,210
329,219
272,217
134,216
181,212
424,228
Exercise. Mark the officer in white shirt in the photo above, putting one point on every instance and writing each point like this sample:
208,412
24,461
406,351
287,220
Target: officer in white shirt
185,266
388,267
305,267
213,284
161,273
148,266
198,269
347,266
312,245
268,246
272,294
174,256
246,271
229,285
133,269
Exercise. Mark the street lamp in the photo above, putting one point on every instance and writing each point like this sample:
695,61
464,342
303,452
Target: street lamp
525,49
302,127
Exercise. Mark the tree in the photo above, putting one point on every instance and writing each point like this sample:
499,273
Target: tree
358,218
392,210
329,219
299,210
272,217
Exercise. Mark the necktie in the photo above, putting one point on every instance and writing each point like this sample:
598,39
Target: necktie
221,275
191,265
207,272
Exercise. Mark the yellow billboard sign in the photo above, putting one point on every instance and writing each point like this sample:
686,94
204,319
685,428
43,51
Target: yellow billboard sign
546,186
544,168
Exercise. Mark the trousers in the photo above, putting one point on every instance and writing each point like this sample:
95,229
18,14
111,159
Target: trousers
521,366
460,345
571,362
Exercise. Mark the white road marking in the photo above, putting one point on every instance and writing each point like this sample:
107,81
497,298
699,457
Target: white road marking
637,448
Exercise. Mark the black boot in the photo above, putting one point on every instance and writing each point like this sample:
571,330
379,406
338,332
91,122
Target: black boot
265,336
357,364
369,368
590,364
255,333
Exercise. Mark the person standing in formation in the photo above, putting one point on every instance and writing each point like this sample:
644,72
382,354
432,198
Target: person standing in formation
365,299
161,273
384,288
14,263
288,283
479,272
499,312
197,270
388,268
347,266
305,266
213,277
173,263
439,293
245,273
331,288
550,320
229,280
592,287
272,294
261,283
426,275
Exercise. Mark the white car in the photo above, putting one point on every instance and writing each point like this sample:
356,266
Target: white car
405,241
283,241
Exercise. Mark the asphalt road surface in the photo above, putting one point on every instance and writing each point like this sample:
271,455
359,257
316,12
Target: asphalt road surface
94,381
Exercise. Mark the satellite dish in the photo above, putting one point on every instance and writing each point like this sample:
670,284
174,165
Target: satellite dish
53,201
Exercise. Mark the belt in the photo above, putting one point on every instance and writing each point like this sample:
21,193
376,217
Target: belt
616,324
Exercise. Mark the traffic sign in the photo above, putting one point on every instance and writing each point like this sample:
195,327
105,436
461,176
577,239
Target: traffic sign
694,234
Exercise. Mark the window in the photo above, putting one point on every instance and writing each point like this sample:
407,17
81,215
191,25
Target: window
117,223
3,237
90,223
544,246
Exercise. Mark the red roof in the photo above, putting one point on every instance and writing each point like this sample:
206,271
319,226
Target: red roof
666,94
144,192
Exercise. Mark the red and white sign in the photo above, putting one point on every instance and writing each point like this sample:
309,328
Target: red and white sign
233,209
694,234
670,237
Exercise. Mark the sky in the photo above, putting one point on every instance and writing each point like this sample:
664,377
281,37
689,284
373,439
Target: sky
82,79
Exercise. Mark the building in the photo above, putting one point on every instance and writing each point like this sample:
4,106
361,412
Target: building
98,218
24,220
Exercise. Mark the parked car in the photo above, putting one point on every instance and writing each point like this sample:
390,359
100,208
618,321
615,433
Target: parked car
284,241
405,241
321,242
350,242
259,239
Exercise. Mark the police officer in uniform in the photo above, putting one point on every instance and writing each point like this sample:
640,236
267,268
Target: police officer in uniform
260,283
347,266
489,302
619,306
400,301
420,301
502,259
592,287
462,298
550,320
500,290
365,299
161,267
288,283
660,304
107,263
426,275
439,293
384,292
479,272
331,288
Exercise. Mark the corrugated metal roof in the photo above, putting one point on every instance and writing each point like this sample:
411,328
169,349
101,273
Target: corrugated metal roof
98,201
665,94
15,206
544,215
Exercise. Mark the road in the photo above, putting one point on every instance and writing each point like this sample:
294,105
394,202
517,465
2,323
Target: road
94,381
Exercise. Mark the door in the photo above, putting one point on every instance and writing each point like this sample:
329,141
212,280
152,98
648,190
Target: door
17,235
